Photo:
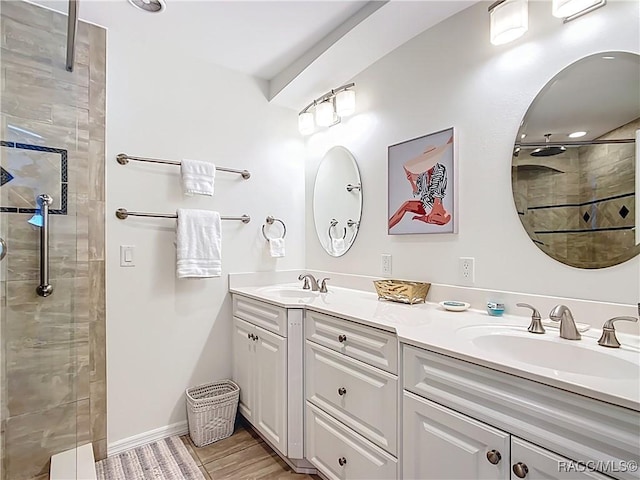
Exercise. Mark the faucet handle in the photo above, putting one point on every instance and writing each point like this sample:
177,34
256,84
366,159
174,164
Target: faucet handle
323,285
305,285
536,322
608,337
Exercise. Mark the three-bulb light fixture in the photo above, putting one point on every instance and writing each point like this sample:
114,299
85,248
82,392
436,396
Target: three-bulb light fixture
510,18
328,109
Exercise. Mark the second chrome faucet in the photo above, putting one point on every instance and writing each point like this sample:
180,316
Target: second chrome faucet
310,279
568,329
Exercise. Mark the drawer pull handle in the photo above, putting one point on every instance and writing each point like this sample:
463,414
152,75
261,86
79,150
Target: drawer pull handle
494,457
249,336
520,469
342,391
342,461
342,338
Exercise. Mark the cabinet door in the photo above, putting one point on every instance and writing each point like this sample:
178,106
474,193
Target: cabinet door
441,444
270,412
243,360
539,463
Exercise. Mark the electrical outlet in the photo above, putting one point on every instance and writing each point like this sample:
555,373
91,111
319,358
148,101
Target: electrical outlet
467,270
386,265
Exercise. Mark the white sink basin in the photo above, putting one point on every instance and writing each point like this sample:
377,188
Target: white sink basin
288,292
577,357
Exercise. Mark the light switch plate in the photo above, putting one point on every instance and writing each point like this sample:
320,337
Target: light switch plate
127,258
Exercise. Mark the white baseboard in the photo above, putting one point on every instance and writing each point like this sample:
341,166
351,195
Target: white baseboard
179,428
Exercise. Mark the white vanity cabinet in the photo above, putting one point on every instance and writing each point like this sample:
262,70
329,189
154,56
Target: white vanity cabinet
457,416
352,399
267,366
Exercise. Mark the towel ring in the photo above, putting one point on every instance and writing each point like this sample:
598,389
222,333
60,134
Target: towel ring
334,222
270,221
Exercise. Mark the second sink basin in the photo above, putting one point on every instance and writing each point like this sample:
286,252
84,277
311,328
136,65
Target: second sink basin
551,352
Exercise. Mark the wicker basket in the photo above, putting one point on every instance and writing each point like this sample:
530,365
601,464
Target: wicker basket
402,291
211,411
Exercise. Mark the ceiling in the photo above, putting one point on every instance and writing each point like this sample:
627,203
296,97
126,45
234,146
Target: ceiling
302,48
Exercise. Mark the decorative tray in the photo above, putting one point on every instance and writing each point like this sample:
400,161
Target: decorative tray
402,291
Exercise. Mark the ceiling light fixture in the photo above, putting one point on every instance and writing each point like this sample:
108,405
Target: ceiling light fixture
577,134
151,6
509,20
571,9
328,109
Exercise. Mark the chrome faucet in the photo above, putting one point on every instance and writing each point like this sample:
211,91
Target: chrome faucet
309,278
568,329
608,337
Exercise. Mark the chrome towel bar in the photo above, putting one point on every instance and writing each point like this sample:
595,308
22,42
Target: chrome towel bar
123,159
123,213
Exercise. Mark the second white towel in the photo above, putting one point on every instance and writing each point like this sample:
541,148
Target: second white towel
197,177
276,247
199,244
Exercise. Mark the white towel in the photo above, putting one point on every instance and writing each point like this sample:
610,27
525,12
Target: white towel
338,245
276,247
197,177
199,245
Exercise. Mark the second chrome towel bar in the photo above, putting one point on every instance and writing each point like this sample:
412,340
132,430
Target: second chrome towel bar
123,213
123,159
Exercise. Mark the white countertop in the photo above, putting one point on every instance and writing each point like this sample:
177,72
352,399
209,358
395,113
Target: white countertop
430,327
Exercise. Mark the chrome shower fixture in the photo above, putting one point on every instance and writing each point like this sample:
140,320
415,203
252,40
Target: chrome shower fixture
152,6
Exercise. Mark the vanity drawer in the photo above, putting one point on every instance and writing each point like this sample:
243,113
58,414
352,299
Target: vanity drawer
370,345
265,315
360,396
341,454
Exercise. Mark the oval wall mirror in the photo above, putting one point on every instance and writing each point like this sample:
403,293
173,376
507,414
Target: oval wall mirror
337,201
575,163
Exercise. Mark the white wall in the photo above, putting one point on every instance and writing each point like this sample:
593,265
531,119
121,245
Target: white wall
452,76
164,334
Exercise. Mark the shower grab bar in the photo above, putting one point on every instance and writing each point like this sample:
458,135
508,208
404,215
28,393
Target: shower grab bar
72,29
123,213
123,159
45,288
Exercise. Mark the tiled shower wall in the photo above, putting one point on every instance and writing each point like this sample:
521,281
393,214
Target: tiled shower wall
53,374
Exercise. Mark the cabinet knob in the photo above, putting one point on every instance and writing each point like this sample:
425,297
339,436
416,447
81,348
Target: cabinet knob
342,391
342,461
520,469
494,456
342,338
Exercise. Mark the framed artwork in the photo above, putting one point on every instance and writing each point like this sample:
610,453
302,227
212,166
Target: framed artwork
421,193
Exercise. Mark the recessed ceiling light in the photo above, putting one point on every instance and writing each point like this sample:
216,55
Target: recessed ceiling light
608,57
523,135
577,134
152,6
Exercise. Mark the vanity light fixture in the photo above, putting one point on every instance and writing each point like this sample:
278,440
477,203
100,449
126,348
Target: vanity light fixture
571,9
328,109
509,20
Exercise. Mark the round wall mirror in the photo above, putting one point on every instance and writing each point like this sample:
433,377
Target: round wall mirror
575,163
337,201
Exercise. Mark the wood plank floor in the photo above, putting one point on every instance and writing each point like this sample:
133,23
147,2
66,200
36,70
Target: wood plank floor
242,456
